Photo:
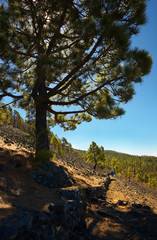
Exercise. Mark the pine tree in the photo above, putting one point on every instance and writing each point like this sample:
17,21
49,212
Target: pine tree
96,155
69,61
5,115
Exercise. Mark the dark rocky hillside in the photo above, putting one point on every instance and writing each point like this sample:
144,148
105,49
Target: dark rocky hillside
13,135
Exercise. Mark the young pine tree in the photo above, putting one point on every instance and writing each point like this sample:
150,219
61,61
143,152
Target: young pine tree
96,155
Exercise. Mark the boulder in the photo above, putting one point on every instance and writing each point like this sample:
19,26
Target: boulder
52,176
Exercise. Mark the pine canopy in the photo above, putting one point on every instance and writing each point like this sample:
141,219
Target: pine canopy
72,58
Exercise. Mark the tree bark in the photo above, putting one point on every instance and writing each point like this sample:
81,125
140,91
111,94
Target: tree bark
39,93
95,165
42,141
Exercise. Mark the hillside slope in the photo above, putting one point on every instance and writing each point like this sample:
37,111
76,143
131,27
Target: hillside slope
128,210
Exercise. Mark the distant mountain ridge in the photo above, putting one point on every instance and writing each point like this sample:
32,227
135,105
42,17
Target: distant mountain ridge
112,153
119,154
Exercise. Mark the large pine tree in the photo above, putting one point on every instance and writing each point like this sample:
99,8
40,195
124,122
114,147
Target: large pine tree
70,60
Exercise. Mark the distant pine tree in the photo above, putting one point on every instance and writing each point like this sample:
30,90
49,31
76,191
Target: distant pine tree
96,155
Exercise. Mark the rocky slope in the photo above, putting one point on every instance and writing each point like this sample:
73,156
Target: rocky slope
110,208
120,216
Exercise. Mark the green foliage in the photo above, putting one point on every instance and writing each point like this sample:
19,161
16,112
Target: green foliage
139,176
96,155
115,164
101,160
152,182
44,156
142,168
13,118
79,152
18,120
66,145
56,142
5,115
61,146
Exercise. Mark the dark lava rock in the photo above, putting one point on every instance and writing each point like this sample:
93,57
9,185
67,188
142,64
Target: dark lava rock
11,226
7,233
15,163
69,194
1,166
58,208
122,203
146,207
53,176
137,205
62,220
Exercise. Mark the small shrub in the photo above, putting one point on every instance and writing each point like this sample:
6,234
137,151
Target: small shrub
44,156
37,164
152,182
119,174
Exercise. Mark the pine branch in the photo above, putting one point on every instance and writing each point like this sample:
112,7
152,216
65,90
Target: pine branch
66,112
9,103
95,60
62,18
6,94
66,47
75,70
24,53
76,101
32,8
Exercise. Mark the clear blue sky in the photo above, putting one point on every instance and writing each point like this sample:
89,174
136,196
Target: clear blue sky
136,131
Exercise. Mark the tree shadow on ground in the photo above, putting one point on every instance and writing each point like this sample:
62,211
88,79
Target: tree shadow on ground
109,222
17,186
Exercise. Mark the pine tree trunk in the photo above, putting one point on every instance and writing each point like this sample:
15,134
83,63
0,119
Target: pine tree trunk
95,165
42,141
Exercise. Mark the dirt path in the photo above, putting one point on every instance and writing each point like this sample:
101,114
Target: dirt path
114,193
121,215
